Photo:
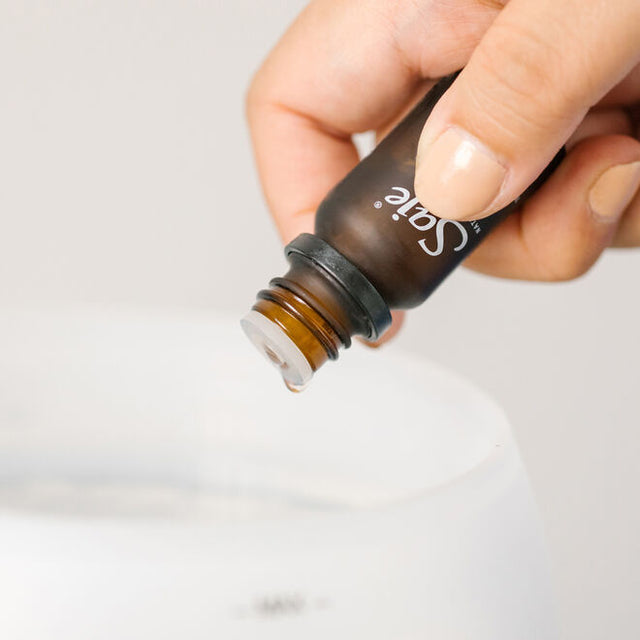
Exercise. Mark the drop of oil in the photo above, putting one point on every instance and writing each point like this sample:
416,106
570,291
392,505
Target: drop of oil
293,387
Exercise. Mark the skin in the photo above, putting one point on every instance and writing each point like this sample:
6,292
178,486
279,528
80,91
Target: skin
538,74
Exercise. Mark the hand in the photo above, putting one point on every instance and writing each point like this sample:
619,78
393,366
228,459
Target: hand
537,73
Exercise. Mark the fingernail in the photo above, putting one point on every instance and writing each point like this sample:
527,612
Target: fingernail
612,192
456,176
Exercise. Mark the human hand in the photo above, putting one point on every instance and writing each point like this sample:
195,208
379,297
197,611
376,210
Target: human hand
538,72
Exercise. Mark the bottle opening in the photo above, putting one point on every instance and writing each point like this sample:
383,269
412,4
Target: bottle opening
279,349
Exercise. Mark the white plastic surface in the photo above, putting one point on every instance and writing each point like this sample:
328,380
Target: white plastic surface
157,481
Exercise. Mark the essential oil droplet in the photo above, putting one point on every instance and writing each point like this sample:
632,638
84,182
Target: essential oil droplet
293,387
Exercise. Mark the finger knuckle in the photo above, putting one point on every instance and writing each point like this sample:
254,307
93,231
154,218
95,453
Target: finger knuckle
252,96
259,92
565,265
555,262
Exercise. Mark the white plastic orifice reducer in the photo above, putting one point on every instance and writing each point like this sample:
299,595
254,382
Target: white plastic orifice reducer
156,482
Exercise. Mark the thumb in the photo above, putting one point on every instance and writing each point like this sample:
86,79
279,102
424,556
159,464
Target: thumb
538,69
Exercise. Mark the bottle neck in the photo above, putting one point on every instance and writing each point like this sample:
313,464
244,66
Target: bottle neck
316,337
304,318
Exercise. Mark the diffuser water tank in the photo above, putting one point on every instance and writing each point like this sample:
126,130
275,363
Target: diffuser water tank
157,482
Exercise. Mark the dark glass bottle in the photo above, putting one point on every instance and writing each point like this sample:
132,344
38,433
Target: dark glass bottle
375,248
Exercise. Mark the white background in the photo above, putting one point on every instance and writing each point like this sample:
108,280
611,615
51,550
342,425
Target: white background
126,179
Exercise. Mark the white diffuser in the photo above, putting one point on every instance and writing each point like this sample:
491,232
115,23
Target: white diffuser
158,482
